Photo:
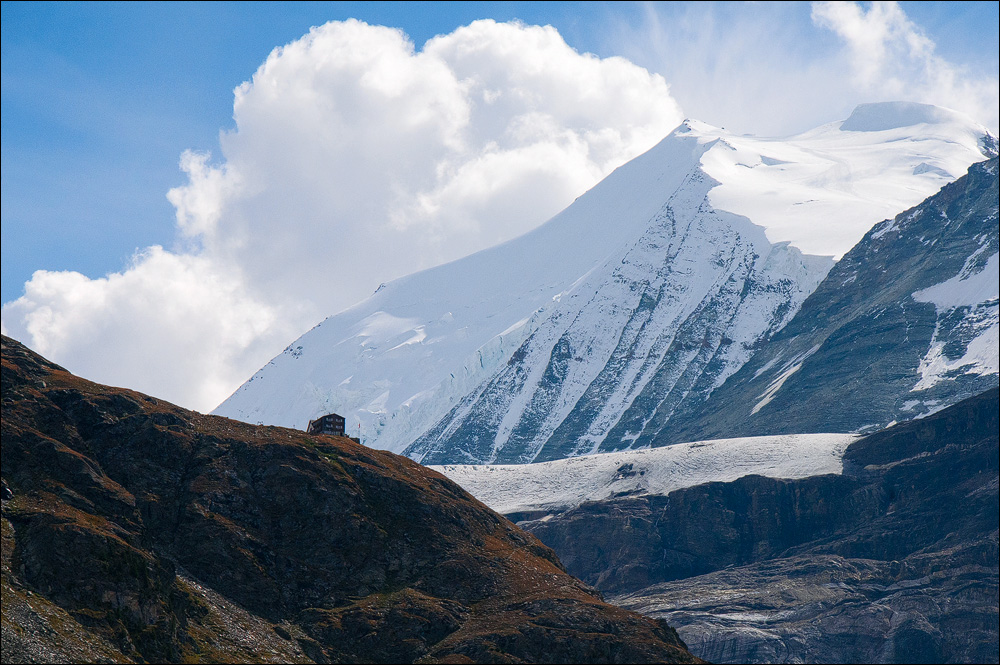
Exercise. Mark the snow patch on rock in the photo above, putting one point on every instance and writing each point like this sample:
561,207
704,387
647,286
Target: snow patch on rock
976,289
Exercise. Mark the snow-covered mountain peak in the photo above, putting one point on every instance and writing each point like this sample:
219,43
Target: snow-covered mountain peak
703,131
881,116
693,251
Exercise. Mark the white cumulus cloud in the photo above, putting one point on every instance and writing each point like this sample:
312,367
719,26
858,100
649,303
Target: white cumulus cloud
170,324
355,159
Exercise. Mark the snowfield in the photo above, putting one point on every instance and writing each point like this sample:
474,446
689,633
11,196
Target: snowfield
824,189
564,484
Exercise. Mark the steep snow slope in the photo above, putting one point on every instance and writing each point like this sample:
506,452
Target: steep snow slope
397,361
652,286
563,484
974,293
671,317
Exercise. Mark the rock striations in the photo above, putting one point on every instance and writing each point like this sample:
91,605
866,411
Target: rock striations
134,530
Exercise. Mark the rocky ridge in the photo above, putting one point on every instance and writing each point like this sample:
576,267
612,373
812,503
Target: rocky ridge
894,560
136,531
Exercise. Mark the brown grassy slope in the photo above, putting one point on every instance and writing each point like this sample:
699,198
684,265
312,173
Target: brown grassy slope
137,530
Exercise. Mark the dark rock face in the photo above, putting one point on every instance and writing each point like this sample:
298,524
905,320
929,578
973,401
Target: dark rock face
850,360
137,531
630,543
896,560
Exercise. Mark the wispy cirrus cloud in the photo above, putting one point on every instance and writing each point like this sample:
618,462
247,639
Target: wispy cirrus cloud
780,68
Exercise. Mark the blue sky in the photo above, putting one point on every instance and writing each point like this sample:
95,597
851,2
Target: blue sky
100,100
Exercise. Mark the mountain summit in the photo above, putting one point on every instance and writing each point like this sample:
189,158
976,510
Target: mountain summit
655,286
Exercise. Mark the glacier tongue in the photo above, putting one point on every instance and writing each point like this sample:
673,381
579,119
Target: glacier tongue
643,295
563,484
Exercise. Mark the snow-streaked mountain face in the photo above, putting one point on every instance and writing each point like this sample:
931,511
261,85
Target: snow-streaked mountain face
671,317
904,325
643,296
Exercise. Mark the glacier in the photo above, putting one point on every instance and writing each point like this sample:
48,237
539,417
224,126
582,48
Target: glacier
564,484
